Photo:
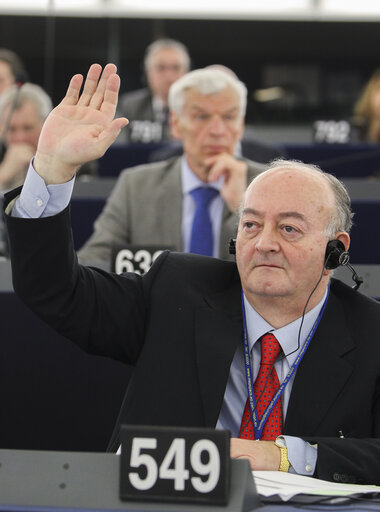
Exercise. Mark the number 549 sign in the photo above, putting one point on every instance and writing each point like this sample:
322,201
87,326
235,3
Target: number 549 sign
174,464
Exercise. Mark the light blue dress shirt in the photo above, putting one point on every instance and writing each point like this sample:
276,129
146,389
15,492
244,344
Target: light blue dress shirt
38,200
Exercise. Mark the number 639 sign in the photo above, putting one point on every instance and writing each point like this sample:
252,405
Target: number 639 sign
135,258
174,464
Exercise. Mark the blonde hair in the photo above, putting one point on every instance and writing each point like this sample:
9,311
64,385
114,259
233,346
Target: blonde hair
363,110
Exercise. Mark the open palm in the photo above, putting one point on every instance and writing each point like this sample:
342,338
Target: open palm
81,127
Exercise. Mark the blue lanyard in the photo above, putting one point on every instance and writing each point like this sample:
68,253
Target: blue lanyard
258,426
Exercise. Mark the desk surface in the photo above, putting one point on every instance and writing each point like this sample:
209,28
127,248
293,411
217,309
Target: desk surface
68,481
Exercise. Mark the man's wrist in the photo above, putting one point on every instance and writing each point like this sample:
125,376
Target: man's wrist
51,171
284,461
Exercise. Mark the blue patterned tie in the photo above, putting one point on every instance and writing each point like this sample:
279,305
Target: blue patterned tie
201,241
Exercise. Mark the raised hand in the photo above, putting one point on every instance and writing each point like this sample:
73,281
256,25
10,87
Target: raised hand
81,127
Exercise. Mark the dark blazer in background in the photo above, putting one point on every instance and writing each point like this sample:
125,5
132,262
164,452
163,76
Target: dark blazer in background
179,326
143,126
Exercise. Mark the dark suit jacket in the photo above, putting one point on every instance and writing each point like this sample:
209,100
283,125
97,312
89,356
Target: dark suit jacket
180,325
143,126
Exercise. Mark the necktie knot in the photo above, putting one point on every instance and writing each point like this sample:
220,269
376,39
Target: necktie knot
270,349
203,196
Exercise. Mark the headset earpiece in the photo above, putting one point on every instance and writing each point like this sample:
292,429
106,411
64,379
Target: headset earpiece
232,246
335,255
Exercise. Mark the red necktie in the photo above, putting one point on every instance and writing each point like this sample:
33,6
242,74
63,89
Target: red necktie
265,387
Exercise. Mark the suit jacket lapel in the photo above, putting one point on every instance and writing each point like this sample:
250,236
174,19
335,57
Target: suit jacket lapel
322,373
171,186
218,331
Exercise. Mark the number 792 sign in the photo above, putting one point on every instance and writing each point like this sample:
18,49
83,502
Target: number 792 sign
174,464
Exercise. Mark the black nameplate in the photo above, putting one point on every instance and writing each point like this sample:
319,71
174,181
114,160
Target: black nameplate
332,132
135,258
174,464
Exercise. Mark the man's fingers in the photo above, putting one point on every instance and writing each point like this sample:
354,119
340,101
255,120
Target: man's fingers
90,84
111,95
97,98
217,168
219,165
118,124
73,90
108,136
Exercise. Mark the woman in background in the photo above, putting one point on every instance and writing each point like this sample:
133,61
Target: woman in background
367,110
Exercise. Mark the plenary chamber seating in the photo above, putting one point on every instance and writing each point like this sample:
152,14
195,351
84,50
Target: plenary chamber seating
344,160
351,160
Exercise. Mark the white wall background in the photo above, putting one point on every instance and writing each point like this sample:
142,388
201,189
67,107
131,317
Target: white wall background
334,10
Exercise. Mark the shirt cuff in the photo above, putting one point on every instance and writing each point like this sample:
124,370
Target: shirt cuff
40,200
302,455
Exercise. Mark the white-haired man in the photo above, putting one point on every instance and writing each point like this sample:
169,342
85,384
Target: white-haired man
155,204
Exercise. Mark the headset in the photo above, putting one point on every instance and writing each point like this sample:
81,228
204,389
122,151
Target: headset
335,256
232,246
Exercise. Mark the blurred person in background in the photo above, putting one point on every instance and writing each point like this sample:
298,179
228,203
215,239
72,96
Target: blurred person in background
367,110
23,110
12,69
147,109
248,147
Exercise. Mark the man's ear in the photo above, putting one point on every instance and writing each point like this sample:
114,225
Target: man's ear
242,128
174,126
344,238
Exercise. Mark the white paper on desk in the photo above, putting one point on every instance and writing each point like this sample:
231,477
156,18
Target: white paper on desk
287,485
